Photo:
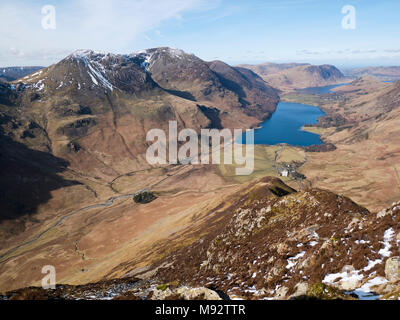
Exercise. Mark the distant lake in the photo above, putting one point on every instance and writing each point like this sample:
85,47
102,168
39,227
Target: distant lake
285,125
321,90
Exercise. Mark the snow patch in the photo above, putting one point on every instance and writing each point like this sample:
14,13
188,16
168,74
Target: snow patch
372,264
293,261
39,85
365,292
387,237
99,76
351,276
313,243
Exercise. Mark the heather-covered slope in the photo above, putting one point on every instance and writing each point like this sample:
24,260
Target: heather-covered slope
267,241
275,246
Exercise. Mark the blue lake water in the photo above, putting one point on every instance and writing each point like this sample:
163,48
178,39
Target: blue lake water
284,126
321,90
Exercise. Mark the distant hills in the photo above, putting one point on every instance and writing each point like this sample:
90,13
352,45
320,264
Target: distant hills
391,73
14,73
290,76
264,69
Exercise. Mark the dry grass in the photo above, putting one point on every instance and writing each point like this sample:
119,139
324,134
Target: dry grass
264,162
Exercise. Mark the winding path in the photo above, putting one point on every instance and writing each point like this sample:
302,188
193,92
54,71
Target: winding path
109,202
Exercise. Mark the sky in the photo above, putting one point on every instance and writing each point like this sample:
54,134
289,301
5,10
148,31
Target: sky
234,31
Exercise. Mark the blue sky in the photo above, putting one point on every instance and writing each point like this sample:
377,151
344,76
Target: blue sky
233,31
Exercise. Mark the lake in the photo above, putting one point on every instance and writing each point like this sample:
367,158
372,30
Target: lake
284,126
321,90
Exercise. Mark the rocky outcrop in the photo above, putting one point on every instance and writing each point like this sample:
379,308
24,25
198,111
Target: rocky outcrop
184,293
102,290
118,289
277,246
392,269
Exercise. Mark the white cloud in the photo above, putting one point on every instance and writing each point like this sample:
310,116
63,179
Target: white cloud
107,25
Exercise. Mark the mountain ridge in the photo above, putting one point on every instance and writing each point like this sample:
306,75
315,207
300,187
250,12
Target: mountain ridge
291,76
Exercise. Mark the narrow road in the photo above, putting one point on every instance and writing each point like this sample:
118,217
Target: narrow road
109,202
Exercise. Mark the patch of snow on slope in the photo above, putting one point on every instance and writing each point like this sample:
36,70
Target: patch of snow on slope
33,75
86,56
365,292
387,237
93,79
100,77
332,278
39,85
372,264
293,261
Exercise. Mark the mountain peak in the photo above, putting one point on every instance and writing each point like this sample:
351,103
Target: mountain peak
166,50
82,53
164,54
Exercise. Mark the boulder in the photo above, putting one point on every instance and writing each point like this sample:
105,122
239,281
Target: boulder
184,293
197,293
281,293
392,269
283,248
352,281
301,290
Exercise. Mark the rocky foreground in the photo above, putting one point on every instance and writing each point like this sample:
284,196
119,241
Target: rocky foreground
270,242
